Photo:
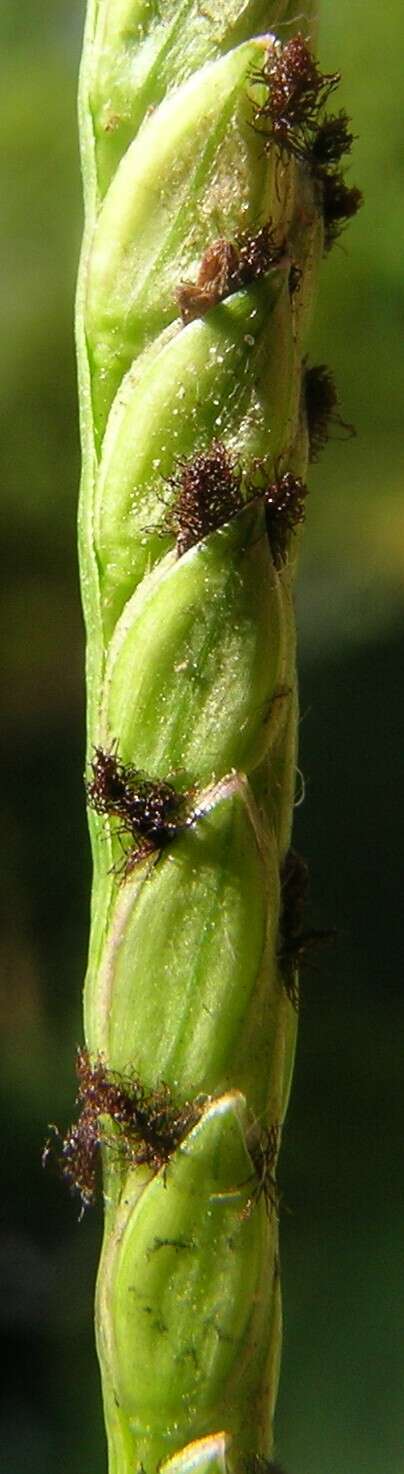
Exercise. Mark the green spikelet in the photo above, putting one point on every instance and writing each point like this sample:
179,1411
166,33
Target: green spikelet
204,230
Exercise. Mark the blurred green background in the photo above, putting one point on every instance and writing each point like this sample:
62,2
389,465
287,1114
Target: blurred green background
341,1405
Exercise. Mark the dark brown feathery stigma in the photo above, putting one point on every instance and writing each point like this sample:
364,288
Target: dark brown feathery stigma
207,495
340,204
149,1125
321,405
260,253
284,511
297,91
332,139
150,810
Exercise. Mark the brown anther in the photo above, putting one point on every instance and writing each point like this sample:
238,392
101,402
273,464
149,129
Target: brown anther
213,282
226,267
